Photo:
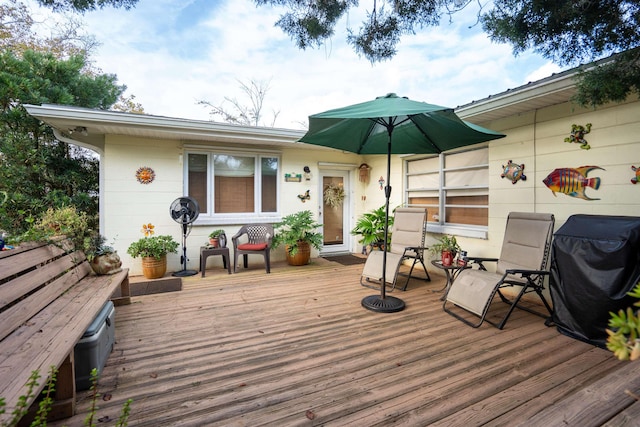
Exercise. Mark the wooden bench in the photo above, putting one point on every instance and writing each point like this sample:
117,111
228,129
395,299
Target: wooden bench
48,298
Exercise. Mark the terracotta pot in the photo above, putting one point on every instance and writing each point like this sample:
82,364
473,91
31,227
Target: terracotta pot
447,258
301,257
153,268
214,241
106,264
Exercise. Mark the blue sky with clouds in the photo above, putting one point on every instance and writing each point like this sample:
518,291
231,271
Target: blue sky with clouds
172,53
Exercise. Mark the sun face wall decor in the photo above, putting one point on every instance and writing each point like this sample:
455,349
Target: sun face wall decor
145,175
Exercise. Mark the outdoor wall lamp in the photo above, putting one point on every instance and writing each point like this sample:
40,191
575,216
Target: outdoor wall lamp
79,129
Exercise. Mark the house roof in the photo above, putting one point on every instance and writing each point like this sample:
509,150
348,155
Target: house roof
88,127
552,90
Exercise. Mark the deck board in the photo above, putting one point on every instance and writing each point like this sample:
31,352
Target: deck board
295,347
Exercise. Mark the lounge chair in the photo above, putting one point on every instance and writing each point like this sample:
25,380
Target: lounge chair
407,242
523,263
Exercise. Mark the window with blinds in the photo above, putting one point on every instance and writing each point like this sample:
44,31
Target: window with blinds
229,183
453,187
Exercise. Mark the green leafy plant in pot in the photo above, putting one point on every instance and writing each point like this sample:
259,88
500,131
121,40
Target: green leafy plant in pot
370,226
153,250
298,233
447,247
217,238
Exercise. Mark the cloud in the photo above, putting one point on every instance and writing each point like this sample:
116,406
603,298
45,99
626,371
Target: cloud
172,53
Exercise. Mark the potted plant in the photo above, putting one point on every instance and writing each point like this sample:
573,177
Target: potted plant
298,233
371,227
102,257
153,250
447,246
215,238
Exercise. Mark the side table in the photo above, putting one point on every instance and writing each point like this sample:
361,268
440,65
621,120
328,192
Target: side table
206,252
451,271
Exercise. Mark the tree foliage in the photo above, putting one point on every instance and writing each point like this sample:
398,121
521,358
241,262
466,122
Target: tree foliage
37,171
567,32
86,5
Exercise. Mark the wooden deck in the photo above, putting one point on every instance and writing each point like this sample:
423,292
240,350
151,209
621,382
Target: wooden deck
295,348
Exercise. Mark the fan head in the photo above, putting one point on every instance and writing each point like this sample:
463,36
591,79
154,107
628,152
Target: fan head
184,210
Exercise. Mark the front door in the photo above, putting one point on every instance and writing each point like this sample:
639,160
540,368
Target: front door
334,213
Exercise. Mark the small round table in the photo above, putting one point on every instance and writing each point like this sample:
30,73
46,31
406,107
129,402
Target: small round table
451,271
207,251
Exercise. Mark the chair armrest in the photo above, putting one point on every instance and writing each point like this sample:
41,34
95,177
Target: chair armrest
528,273
416,248
479,261
235,237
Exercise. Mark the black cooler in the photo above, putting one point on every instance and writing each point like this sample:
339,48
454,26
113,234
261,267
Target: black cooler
595,261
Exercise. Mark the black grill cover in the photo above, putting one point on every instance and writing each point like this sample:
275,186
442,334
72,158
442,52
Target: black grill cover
595,261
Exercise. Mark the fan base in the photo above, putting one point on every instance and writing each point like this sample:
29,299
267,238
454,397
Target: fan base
185,273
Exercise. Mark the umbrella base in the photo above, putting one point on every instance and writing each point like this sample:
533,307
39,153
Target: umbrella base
185,273
383,305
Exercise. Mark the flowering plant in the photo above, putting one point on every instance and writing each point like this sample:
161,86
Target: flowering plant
152,246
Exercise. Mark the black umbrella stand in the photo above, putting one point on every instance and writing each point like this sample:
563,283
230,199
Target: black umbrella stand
383,303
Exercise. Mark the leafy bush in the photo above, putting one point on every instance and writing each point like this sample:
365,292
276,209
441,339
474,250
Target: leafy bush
155,246
624,335
295,228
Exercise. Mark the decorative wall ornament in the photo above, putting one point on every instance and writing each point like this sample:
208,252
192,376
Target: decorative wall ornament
145,175
572,182
333,195
364,172
636,178
381,182
307,173
513,171
577,135
304,197
293,177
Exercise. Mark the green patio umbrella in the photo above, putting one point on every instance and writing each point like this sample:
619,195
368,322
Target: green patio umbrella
389,125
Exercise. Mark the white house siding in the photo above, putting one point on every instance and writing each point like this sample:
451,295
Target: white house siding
130,204
536,138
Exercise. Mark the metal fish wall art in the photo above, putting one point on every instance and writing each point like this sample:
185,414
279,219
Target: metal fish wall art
572,182
513,171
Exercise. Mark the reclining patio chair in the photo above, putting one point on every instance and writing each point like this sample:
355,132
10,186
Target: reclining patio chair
523,262
407,242
253,239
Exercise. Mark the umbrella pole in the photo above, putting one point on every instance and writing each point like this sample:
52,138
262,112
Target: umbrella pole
382,303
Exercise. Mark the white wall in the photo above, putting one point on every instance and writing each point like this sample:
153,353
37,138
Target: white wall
129,204
534,138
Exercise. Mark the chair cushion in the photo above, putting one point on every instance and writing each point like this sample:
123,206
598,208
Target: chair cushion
252,246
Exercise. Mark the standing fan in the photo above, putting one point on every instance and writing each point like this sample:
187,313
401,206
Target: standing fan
184,210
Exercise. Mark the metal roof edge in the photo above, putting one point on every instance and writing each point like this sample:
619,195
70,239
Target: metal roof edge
159,123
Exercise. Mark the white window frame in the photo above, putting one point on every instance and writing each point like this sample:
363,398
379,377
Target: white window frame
442,227
233,218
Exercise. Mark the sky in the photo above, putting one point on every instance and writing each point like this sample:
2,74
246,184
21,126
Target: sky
173,53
